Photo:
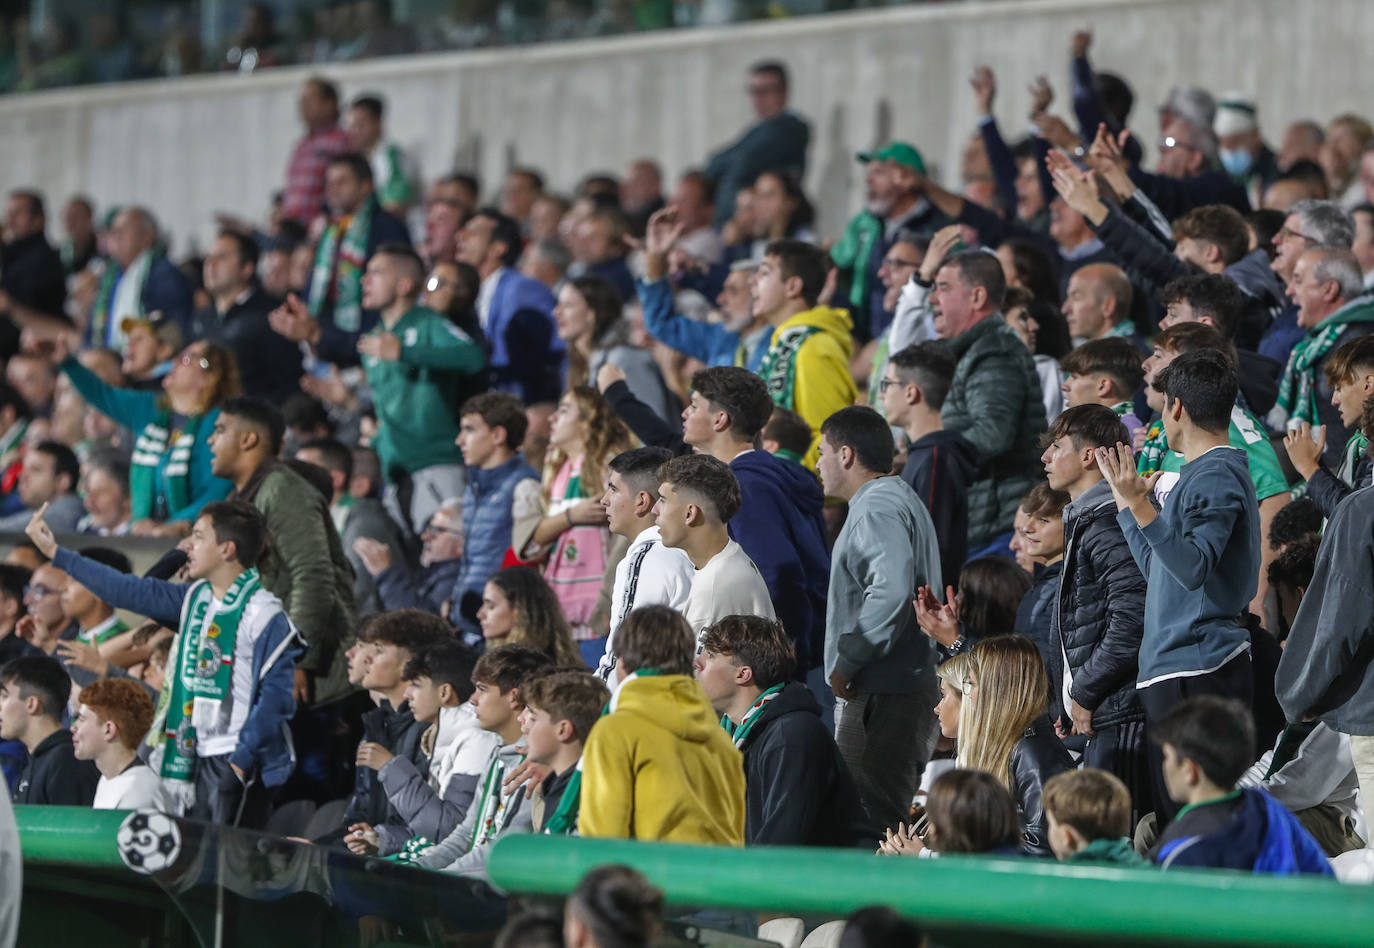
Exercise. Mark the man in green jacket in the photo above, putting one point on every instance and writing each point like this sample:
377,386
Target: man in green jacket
994,400
304,565
414,359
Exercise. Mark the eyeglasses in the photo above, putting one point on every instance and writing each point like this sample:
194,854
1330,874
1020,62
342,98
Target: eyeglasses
884,383
434,283
1169,141
39,591
897,263
1285,232
188,359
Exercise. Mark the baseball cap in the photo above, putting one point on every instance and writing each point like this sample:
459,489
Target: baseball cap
166,331
1236,113
900,152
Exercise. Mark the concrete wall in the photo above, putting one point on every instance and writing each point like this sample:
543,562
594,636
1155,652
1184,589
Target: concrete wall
193,146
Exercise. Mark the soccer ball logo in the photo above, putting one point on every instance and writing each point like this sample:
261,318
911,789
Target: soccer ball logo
149,841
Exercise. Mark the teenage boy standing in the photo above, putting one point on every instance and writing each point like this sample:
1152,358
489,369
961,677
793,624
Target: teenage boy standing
220,734
1200,553
650,572
1098,610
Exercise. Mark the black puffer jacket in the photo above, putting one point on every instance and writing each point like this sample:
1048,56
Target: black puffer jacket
1100,614
1037,757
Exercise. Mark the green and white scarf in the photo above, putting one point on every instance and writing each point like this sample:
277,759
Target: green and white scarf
1122,330
740,732
1152,452
339,263
1355,449
779,368
201,665
1297,401
153,442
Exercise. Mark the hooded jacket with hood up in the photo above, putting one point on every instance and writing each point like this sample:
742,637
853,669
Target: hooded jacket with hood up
659,767
798,791
822,383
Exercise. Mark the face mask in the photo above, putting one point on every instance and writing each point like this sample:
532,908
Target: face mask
1236,161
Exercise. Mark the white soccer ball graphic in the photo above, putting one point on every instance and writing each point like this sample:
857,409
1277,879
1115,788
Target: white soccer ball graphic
148,841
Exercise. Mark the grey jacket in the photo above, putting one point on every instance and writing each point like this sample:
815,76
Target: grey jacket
455,853
1326,670
886,550
642,376
434,802
368,518
63,515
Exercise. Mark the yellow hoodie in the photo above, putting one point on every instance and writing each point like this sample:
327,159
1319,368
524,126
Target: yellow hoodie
822,382
659,767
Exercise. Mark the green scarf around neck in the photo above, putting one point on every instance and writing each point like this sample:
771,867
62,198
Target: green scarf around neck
1297,401
153,442
339,265
201,666
779,368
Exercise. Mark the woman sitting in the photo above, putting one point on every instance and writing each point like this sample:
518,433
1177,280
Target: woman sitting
1005,729
518,606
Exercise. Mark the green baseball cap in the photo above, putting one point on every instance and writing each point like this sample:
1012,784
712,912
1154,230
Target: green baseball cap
900,152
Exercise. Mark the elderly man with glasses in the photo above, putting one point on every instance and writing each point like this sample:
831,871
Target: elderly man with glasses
1309,224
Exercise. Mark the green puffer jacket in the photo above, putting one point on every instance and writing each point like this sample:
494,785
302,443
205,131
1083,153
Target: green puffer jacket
305,567
995,402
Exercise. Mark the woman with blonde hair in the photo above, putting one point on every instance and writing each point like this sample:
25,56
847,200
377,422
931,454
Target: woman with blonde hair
572,537
518,606
1005,729
170,477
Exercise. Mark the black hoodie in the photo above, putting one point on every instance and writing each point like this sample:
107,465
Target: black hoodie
798,791
939,467
54,775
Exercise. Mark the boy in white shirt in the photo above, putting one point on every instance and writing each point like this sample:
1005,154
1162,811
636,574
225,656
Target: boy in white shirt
650,573
696,499
114,715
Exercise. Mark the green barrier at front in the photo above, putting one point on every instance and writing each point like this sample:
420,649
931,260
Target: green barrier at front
70,834
1030,897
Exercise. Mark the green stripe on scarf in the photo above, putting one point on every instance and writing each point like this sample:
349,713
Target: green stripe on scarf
1297,401
1153,450
779,368
202,668
154,441
341,262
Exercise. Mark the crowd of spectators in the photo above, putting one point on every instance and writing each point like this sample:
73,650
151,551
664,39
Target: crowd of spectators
1029,516
48,48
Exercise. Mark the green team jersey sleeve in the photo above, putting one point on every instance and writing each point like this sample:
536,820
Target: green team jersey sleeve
1249,435
436,343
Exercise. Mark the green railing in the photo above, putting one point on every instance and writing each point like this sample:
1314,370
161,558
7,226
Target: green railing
1038,901
961,900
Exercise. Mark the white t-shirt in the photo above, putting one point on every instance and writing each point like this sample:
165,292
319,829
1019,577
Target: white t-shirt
649,574
729,585
137,788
